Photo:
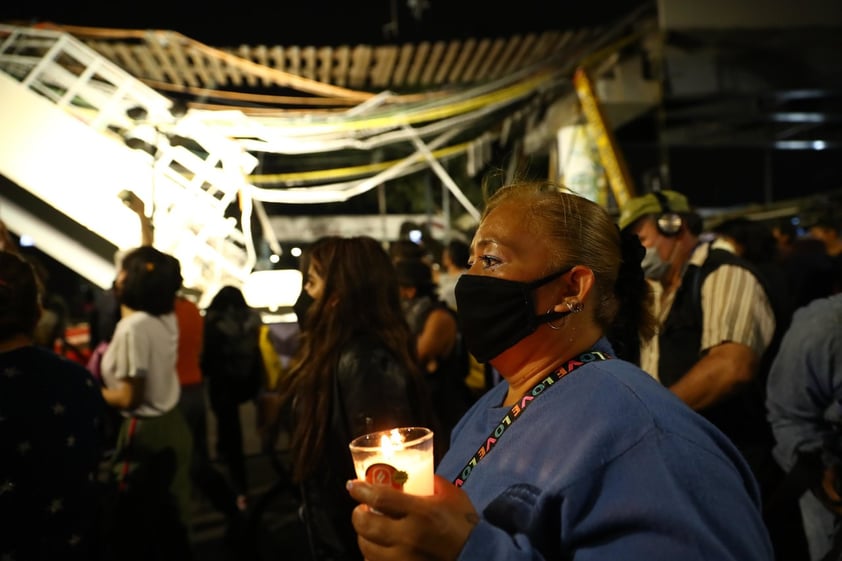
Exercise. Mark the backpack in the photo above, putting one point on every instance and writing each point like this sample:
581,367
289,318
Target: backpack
231,356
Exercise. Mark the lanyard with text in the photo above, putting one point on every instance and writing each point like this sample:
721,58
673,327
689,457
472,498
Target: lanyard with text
518,408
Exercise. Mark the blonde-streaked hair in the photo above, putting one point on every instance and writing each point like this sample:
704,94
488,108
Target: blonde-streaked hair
581,232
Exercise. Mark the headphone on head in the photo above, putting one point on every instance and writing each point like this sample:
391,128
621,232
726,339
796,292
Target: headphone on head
669,222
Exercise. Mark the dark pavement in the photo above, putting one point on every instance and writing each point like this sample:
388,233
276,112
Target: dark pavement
270,529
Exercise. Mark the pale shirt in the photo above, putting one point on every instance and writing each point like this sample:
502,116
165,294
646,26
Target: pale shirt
447,288
145,346
735,309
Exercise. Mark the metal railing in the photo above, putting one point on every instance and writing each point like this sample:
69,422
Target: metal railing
196,181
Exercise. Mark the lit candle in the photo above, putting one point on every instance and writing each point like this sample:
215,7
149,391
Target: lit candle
401,457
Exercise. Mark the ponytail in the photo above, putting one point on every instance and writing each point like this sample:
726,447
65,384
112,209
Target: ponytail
634,322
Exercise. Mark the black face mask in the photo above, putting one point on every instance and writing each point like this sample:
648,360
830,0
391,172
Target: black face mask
496,313
301,306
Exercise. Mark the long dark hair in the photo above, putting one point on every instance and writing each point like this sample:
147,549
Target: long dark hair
360,298
20,297
228,297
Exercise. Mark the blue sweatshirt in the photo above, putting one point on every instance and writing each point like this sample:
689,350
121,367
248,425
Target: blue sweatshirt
606,464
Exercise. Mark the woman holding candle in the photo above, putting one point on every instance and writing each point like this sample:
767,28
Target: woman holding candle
577,453
354,373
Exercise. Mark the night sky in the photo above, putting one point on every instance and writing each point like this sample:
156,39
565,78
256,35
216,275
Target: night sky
327,22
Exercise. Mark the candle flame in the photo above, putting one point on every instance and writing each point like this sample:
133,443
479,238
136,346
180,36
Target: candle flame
391,443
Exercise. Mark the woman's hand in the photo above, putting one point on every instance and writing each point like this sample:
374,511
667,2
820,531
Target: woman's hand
127,394
393,525
830,484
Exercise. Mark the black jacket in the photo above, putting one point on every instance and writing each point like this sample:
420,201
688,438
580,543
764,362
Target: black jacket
371,391
742,416
231,360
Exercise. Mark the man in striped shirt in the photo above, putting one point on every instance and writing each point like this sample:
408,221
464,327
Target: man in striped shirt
714,316
715,326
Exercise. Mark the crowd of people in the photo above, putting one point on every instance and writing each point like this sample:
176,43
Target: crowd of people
696,411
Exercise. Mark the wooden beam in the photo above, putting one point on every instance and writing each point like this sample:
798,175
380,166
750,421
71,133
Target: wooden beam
497,67
244,51
403,65
447,62
308,62
384,65
521,55
465,54
360,59
324,64
157,41
485,64
477,58
432,63
343,65
417,66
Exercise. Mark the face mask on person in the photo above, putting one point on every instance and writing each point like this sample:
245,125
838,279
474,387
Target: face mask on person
304,302
653,266
494,313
